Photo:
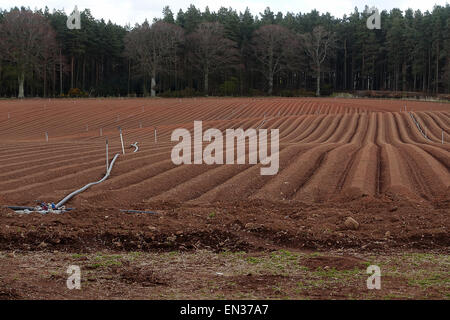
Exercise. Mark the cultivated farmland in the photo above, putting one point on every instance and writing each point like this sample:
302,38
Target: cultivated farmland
381,162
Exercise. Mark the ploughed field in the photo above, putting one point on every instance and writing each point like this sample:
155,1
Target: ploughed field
226,231
330,150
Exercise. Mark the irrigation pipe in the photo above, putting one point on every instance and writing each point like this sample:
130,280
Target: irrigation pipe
234,111
138,211
261,124
67,198
418,126
16,208
136,147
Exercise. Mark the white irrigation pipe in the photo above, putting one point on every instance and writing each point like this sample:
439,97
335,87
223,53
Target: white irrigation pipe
108,172
418,126
121,140
234,111
67,198
107,156
136,147
261,124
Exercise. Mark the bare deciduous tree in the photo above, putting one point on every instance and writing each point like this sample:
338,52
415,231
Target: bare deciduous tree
318,44
273,48
211,50
154,48
49,59
26,40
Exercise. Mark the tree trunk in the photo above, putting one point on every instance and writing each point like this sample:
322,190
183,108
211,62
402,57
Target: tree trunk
153,84
129,75
83,85
97,73
404,76
45,79
270,83
71,72
21,81
345,64
60,74
424,78
241,74
144,87
318,81
206,80
437,67
429,70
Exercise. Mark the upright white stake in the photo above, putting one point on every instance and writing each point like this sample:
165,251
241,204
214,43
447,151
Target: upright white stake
9,116
155,136
107,157
46,136
442,136
87,127
121,140
143,108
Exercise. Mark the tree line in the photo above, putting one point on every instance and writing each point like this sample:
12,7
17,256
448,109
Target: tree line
223,53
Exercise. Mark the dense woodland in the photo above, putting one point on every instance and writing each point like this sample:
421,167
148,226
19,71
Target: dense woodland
196,52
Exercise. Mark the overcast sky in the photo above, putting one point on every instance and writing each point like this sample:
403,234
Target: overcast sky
132,11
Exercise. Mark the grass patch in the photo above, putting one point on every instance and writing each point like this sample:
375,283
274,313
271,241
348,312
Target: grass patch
433,280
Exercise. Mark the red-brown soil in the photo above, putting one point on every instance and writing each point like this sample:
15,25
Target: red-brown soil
339,158
329,148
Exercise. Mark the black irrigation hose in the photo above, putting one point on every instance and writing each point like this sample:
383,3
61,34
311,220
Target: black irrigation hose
138,211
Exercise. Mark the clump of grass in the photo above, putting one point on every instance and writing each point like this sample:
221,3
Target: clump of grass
106,261
433,280
336,274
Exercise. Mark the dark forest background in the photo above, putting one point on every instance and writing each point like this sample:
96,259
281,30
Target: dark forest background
196,52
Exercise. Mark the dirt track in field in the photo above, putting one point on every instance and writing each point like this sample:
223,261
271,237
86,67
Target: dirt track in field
339,158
